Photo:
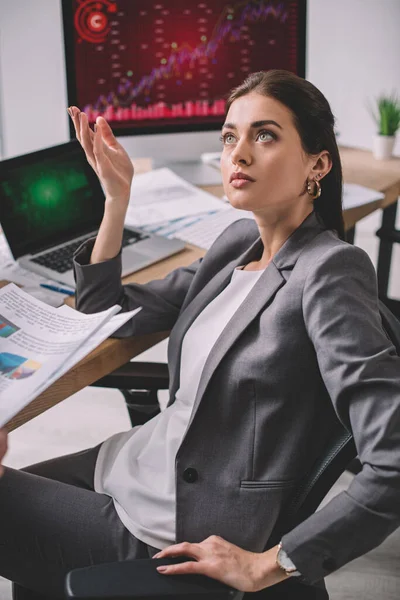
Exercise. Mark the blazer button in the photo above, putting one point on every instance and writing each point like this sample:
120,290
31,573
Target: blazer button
190,475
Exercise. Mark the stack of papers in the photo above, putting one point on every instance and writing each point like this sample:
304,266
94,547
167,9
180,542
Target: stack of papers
162,202
205,231
357,195
31,283
39,343
10,270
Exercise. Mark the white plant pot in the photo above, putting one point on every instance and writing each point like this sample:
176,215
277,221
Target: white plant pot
383,146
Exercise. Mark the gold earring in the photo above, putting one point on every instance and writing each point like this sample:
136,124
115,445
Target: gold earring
316,192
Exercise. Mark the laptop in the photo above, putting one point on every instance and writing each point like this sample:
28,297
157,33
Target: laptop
51,201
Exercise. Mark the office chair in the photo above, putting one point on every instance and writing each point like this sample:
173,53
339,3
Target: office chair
139,579
139,382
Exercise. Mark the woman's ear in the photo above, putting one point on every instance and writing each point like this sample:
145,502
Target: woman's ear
322,165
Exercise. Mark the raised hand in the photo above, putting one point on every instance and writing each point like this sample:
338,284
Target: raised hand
106,156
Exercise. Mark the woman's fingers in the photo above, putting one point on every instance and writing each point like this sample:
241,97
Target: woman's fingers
107,133
182,549
76,117
86,135
74,113
98,149
186,568
106,156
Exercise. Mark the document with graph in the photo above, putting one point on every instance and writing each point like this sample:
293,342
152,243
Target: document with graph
39,343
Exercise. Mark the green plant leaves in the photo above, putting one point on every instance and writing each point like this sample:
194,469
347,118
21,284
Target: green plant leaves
388,115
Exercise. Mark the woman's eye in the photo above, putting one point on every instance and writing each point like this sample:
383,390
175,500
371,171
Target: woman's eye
228,138
265,136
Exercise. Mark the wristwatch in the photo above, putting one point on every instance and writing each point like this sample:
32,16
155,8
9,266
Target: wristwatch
284,563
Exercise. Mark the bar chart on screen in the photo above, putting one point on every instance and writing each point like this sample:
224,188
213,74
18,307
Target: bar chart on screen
144,61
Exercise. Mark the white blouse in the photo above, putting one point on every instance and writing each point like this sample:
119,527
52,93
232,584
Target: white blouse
137,467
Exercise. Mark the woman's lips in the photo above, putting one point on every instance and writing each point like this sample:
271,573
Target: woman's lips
238,179
240,183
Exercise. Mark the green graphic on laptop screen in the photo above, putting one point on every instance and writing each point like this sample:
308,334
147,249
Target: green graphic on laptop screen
46,198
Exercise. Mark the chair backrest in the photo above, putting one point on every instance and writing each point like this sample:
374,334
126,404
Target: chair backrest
338,453
313,488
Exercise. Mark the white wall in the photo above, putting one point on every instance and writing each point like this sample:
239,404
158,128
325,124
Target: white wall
33,96
353,55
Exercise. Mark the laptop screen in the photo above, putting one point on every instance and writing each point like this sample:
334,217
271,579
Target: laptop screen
48,197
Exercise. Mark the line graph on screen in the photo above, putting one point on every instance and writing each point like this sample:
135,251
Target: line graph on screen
144,61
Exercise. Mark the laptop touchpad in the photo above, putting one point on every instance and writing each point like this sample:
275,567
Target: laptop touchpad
132,259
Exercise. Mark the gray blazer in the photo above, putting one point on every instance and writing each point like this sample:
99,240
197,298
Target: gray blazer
305,348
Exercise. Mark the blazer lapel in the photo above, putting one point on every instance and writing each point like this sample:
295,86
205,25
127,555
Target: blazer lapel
198,304
262,293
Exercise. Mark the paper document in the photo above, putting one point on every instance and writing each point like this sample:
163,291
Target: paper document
161,195
10,270
30,282
357,195
39,343
205,231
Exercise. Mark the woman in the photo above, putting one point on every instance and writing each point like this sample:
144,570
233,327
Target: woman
275,335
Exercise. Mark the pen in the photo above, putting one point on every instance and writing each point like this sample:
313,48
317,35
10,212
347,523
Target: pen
55,288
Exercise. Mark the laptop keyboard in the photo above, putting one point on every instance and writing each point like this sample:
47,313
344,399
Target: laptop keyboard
60,260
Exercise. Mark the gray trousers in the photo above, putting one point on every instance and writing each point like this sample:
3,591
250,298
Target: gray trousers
52,521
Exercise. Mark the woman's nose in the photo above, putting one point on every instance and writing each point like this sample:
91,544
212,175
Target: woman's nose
241,154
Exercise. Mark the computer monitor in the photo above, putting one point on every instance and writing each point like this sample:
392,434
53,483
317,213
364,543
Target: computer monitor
160,70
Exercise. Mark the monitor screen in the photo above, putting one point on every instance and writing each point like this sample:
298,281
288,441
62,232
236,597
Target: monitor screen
160,66
48,197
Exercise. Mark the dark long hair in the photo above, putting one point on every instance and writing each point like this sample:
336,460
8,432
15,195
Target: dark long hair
314,122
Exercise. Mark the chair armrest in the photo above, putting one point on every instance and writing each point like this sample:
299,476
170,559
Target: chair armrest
137,376
137,579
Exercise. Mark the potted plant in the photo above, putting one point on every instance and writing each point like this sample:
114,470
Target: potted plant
387,117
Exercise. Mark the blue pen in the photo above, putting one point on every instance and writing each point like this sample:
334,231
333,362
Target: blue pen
55,288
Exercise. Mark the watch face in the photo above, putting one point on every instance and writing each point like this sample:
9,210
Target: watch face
285,562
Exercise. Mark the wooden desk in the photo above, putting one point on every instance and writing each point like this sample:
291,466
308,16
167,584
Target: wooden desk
359,167
112,353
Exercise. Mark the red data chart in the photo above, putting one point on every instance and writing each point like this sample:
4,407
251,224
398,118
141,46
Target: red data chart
141,62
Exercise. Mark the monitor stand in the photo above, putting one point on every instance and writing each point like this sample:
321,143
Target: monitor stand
196,172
